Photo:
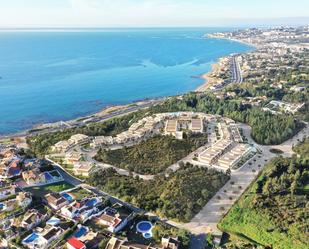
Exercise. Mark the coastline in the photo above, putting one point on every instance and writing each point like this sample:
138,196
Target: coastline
110,110
209,81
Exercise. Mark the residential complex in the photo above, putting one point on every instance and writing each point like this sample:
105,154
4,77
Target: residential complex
228,150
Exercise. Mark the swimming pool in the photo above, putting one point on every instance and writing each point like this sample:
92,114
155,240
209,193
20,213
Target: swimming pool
91,202
147,235
68,197
32,237
144,227
80,232
48,176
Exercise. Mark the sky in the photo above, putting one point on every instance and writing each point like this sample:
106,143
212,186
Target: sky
151,13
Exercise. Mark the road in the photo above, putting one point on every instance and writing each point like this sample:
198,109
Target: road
236,71
66,176
207,219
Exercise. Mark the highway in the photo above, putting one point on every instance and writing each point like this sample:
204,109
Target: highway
236,71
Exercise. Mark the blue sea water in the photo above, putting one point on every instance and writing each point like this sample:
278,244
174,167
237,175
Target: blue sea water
60,75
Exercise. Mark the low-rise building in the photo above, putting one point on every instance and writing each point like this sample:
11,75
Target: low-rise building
297,88
177,124
224,131
33,177
62,146
79,139
211,155
43,238
24,199
275,107
235,133
230,159
73,157
113,219
197,125
7,191
32,218
55,201
83,168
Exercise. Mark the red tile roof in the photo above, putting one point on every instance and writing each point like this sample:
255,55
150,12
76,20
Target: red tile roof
76,243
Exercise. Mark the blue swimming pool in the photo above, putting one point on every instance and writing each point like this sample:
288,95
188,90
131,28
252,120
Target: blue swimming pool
91,202
48,176
32,237
68,197
2,205
80,232
147,235
144,227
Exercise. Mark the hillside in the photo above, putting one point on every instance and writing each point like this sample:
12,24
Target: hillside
273,212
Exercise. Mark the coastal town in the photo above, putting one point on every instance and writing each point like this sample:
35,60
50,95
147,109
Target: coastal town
82,184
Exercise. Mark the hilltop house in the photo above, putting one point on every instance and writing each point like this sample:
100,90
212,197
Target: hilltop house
114,220
33,177
32,218
55,201
81,209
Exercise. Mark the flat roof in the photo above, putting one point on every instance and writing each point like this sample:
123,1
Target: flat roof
197,124
171,125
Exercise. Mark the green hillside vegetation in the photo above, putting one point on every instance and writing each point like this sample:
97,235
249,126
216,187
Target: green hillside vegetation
267,128
179,196
273,212
153,155
259,89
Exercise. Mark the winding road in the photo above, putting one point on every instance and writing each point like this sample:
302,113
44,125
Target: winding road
207,219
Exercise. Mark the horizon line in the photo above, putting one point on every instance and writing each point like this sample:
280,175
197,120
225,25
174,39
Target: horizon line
151,27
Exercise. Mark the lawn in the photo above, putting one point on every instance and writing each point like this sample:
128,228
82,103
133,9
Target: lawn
80,193
55,187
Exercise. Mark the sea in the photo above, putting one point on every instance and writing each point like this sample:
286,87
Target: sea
53,75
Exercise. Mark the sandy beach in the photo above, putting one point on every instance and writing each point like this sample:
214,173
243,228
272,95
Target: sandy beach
209,81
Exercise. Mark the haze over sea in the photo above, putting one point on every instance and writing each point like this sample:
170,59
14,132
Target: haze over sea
60,75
